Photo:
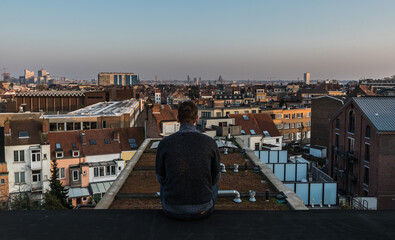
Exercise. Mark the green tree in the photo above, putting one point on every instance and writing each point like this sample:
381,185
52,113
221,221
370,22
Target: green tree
56,197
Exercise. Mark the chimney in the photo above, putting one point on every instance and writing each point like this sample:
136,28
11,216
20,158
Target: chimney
7,129
156,108
45,127
83,138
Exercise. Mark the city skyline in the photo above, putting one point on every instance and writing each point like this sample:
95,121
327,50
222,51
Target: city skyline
236,39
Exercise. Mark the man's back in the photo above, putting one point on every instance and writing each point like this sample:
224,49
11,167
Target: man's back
187,167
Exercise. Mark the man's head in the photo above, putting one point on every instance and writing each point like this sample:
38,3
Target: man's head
187,113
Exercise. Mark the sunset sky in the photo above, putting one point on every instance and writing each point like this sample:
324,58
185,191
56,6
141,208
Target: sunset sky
257,40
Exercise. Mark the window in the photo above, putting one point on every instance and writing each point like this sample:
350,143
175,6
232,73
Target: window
292,125
337,140
62,173
277,140
366,176
104,124
286,136
36,176
252,131
19,156
256,146
84,199
367,133
19,177
246,111
93,125
286,126
299,115
73,145
286,116
132,143
236,112
266,133
245,117
308,114
218,114
93,142
351,124
279,116
243,132
44,156
58,146
110,170
76,176
23,134
206,114
76,153
308,124
253,111
351,145
53,127
69,126
337,123
279,126
59,154
61,126
293,115
367,152
77,126
86,125
36,155
2,181
107,141
298,125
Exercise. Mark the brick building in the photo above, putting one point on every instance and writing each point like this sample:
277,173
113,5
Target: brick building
322,108
361,156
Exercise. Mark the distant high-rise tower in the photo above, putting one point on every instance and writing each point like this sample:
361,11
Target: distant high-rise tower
307,78
188,79
29,76
158,98
156,78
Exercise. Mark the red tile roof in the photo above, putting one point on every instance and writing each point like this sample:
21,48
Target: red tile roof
165,114
258,122
32,126
83,143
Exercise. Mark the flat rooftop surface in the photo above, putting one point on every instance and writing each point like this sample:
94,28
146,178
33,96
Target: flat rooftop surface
222,224
139,189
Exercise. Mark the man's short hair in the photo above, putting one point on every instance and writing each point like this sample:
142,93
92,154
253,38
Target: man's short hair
187,112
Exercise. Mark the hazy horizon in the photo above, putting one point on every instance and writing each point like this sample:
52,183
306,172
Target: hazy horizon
257,40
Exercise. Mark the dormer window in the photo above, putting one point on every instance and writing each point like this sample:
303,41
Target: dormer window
58,146
75,153
59,154
23,134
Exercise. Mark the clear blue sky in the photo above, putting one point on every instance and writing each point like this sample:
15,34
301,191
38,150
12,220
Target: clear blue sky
282,39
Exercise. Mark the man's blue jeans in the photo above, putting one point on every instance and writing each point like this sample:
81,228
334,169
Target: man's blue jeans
191,216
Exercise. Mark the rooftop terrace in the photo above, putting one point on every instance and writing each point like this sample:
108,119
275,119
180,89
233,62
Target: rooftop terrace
136,187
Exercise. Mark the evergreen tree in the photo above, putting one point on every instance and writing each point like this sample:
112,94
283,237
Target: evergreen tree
56,197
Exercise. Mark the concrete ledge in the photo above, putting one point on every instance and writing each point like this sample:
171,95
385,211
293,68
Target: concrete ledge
108,198
294,201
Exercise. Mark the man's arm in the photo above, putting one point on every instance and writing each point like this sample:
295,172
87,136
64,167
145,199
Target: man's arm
159,164
215,166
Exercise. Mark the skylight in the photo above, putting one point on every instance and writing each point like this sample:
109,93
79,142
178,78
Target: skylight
93,142
252,131
243,132
73,145
23,134
107,141
58,146
245,117
266,133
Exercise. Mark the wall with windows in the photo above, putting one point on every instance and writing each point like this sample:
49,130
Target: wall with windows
28,167
64,171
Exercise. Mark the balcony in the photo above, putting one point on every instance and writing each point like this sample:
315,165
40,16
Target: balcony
36,165
37,186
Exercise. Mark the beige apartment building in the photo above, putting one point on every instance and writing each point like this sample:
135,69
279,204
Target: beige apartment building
294,124
116,78
211,112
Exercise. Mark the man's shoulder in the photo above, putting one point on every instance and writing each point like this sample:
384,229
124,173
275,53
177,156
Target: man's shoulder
197,136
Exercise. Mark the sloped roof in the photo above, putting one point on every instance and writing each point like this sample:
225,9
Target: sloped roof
66,139
32,126
379,110
258,122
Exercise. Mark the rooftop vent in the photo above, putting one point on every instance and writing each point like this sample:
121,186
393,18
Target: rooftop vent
252,196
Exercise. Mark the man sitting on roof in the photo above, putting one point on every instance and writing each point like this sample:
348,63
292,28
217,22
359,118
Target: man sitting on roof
188,168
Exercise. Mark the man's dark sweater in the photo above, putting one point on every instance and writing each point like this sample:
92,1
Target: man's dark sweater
187,167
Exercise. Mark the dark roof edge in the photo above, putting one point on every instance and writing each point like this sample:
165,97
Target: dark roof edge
109,197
